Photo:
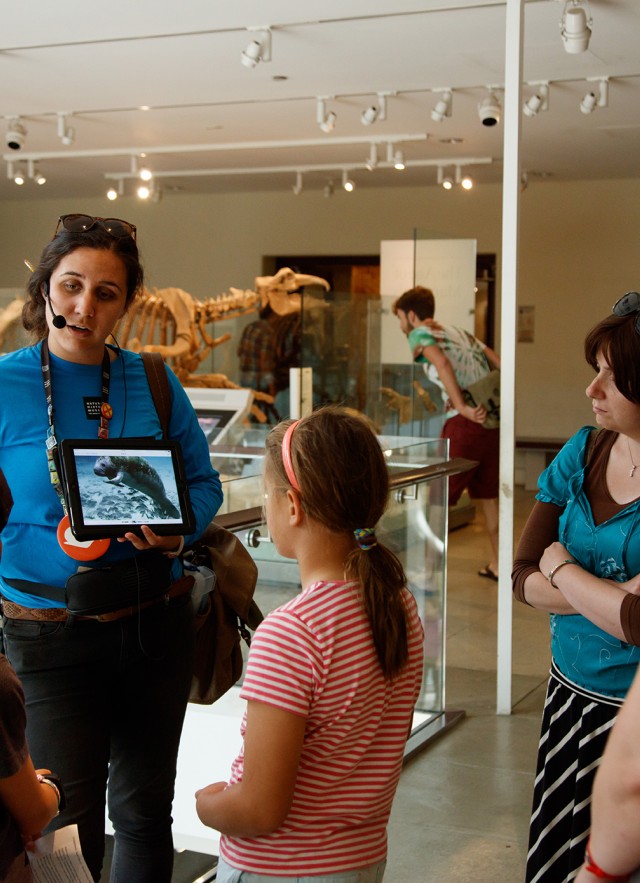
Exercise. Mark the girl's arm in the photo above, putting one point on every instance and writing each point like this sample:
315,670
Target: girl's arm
260,803
32,804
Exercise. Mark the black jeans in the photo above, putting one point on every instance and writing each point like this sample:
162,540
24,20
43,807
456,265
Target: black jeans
107,700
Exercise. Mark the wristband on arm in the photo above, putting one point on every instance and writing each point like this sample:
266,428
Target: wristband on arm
596,870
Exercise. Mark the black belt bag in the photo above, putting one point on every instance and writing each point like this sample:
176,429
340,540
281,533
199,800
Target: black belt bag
129,583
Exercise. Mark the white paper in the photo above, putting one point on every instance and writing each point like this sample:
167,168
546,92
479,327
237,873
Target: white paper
57,858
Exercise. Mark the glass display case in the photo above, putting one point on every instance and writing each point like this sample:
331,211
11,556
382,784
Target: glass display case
336,341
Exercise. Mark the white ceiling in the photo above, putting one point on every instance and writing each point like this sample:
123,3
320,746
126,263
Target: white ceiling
102,63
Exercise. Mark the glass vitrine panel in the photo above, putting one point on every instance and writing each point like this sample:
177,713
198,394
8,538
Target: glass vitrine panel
414,527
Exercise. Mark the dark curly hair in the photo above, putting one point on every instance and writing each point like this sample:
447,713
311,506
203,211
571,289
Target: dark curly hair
33,313
420,300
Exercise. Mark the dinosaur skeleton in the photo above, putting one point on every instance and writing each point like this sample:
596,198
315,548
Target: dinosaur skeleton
173,323
10,319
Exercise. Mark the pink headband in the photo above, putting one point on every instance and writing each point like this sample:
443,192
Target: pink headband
286,457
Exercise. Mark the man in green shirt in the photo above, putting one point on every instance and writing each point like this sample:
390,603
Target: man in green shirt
453,359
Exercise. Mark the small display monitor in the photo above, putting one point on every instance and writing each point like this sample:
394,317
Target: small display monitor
212,422
114,486
219,409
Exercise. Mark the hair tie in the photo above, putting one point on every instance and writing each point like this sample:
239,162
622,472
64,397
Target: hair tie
365,537
286,457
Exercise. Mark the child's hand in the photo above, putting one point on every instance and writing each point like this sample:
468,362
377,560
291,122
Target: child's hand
29,841
211,789
208,803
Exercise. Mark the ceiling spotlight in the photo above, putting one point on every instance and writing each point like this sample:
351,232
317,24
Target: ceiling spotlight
143,191
329,123
65,133
326,121
297,187
259,49
19,177
328,189
445,182
465,181
372,161
347,183
145,174
398,160
16,133
489,109
538,101
35,174
443,107
371,114
575,27
112,193
591,100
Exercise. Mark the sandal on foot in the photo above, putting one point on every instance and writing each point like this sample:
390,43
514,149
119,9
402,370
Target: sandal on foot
488,573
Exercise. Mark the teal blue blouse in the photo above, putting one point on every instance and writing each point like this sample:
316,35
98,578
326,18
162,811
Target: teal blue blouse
587,655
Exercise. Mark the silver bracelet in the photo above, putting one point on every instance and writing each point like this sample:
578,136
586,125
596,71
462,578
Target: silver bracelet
553,570
44,781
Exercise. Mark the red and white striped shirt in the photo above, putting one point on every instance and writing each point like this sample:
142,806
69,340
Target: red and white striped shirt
315,657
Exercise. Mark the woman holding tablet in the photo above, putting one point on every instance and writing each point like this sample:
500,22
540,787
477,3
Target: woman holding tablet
106,691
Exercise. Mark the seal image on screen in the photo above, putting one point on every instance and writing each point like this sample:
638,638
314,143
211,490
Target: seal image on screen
136,473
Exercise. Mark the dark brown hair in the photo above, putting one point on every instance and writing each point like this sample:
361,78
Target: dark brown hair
418,299
344,485
619,343
33,313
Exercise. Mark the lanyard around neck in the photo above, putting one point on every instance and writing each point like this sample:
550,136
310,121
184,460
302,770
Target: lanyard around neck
52,443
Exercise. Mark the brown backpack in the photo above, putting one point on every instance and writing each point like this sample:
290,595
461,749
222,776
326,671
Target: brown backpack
230,610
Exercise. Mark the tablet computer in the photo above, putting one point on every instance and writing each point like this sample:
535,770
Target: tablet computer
113,486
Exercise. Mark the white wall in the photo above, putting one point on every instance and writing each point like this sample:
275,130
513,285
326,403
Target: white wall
578,255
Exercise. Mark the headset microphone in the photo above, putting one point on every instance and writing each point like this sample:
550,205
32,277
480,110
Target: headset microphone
58,321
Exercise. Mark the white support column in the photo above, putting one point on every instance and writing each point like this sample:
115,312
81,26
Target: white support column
510,205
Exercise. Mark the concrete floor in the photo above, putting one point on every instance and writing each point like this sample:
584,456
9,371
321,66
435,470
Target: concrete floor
461,812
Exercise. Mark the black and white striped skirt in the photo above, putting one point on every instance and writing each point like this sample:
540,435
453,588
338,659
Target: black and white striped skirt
575,728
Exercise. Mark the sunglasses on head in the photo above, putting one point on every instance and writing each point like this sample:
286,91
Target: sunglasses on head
81,223
628,303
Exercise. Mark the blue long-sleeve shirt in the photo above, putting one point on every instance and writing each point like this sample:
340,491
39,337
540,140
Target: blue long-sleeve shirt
30,550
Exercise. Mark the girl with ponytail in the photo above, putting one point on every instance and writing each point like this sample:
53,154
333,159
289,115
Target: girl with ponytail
332,677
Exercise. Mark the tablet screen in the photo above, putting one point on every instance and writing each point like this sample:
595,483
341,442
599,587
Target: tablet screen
114,486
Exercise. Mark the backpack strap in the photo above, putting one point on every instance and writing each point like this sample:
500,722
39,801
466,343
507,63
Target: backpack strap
159,386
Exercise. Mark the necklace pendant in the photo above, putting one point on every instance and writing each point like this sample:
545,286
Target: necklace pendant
633,469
